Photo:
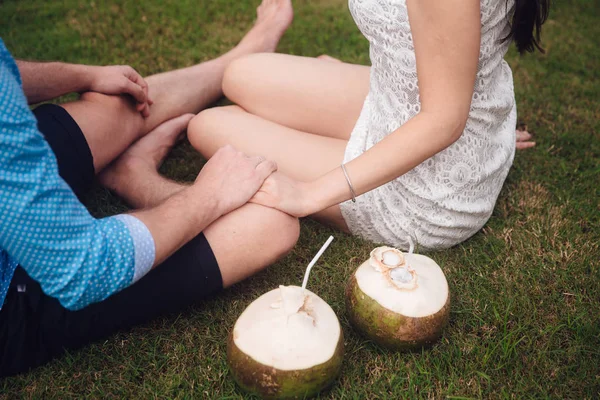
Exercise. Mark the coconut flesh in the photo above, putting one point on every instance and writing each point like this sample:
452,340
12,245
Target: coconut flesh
398,300
288,343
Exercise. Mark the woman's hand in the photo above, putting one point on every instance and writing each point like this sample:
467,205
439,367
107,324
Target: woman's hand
287,195
121,79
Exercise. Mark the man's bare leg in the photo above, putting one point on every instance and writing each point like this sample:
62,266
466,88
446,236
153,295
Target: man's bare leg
244,241
111,123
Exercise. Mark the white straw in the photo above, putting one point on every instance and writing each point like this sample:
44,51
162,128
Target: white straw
314,261
411,245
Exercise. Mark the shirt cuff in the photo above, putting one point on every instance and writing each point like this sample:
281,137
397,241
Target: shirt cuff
143,244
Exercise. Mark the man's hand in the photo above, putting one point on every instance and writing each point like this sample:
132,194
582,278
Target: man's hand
121,79
233,178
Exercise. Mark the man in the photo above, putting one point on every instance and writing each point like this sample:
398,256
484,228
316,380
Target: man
67,279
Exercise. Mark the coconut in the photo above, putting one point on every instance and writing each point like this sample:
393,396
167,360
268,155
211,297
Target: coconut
398,300
288,343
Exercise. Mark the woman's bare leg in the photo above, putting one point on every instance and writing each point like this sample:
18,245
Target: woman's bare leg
306,94
296,111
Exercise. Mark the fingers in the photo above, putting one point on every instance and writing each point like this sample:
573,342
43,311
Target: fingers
263,199
134,90
256,160
138,88
141,93
265,169
262,166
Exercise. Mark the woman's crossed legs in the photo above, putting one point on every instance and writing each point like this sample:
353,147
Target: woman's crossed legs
296,111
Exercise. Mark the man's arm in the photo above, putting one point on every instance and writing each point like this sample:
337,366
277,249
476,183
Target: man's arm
226,182
79,259
44,81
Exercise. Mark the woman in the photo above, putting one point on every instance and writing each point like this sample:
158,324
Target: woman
418,145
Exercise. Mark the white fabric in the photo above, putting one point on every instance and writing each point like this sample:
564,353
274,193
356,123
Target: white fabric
450,196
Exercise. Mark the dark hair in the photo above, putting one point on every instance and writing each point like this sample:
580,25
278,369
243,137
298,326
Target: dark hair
526,24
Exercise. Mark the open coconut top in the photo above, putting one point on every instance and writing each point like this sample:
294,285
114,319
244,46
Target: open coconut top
409,284
288,329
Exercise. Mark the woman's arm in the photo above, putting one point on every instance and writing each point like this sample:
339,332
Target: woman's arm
446,37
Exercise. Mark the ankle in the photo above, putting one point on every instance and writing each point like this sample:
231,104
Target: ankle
121,176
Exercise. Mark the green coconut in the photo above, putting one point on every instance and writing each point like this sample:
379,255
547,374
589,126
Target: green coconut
286,344
400,301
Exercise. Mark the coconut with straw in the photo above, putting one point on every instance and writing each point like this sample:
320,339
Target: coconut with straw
288,343
398,300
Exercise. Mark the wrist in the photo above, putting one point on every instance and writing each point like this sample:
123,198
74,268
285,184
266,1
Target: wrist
331,189
85,75
316,198
208,208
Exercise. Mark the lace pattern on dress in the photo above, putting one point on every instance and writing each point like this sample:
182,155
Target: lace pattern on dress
450,196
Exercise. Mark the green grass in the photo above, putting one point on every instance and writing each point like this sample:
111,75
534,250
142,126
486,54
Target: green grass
525,318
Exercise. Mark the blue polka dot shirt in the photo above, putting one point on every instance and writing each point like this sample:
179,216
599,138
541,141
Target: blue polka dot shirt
44,228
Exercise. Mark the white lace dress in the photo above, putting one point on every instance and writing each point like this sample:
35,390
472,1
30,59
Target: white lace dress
450,196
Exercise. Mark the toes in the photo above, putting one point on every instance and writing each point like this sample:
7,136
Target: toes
524,145
523,135
177,123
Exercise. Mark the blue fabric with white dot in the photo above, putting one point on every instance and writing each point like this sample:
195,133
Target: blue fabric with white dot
76,258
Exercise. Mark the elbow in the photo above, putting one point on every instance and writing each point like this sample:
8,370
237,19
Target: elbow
70,290
72,305
448,124
82,286
73,297
455,128
67,294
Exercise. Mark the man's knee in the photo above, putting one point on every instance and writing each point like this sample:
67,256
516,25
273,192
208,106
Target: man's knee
250,239
121,108
276,233
119,102
284,231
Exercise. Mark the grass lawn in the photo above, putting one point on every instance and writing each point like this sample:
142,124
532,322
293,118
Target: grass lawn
525,318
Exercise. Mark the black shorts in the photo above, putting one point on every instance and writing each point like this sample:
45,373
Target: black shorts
35,328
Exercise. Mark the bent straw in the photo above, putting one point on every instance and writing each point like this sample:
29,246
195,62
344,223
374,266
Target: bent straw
314,261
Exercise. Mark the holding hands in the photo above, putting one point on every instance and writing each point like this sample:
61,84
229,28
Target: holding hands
287,195
121,79
233,178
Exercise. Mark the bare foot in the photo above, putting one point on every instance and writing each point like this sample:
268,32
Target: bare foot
523,141
273,17
147,154
325,57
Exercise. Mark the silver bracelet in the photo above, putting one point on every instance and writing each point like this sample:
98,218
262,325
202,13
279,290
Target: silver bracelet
349,183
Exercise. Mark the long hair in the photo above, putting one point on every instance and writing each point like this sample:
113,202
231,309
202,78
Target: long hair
526,24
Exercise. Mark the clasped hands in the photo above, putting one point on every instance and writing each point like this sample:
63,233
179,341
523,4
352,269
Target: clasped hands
120,79
234,179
